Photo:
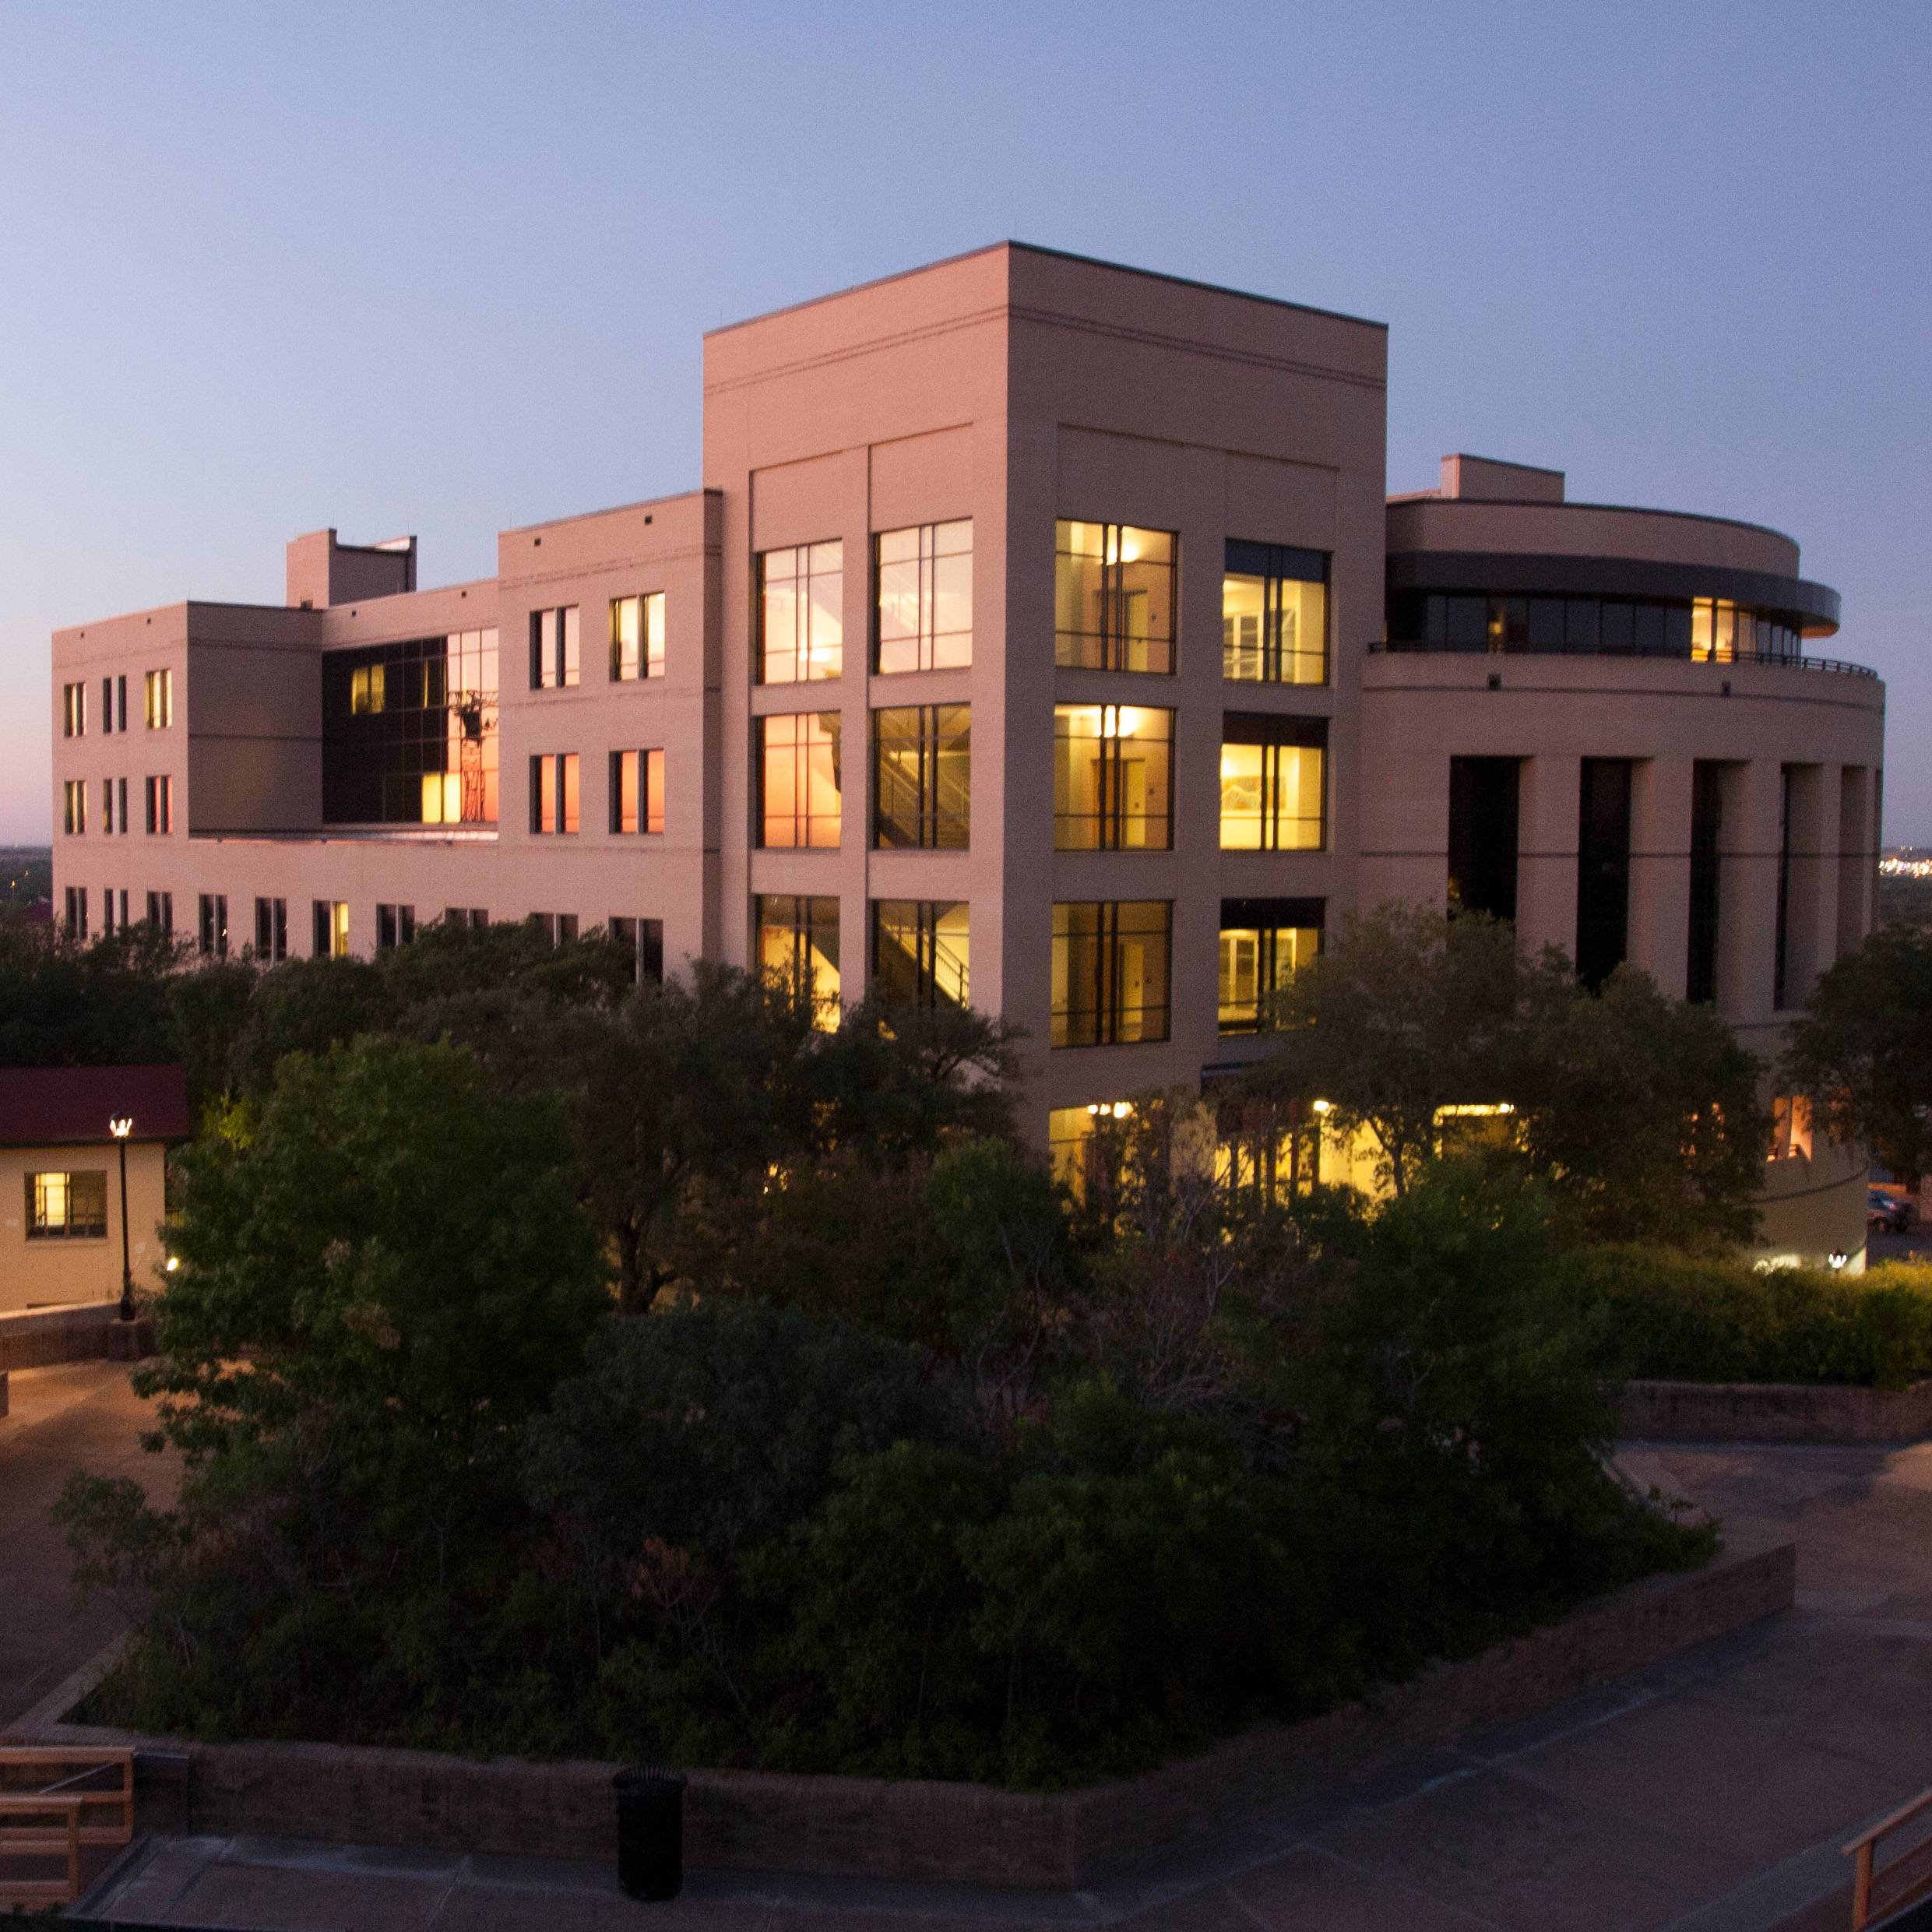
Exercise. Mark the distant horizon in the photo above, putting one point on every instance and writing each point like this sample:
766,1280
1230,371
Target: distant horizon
272,274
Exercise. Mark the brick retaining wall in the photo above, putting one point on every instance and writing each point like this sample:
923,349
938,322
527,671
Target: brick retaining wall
41,1337
1775,1412
875,1828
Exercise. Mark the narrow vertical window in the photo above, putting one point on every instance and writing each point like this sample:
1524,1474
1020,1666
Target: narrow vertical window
1274,790
643,939
800,781
107,706
107,806
1781,958
161,913
214,925
1707,826
1602,869
637,791
923,611
800,613
555,649
637,637
158,699
1112,778
1483,814
1114,597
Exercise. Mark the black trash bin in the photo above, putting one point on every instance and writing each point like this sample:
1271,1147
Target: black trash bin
650,1831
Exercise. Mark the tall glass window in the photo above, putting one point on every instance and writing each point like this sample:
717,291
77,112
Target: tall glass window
925,612
637,637
73,711
1484,808
1275,615
1263,943
1603,868
1114,597
799,780
556,648
797,939
923,776
158,699
555,794
1112,778
1111,972
637,791
1273,789
920,952
800,613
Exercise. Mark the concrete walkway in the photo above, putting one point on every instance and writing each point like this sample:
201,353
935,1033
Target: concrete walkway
81,1417
1708,1795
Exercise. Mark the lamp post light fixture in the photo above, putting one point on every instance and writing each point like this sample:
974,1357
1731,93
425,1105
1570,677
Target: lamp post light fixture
121,1127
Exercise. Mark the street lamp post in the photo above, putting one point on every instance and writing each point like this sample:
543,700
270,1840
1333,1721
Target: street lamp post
121,1127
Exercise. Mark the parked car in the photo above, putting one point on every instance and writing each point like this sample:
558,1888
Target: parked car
1892,1213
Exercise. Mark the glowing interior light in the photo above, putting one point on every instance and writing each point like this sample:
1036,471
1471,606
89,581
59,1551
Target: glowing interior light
1324,1107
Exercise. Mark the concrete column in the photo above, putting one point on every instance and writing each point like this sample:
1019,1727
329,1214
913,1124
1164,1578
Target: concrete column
1857,856
1748,892
1813,910
1660,870
1546,873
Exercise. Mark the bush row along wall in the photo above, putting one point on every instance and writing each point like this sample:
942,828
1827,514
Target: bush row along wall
953,1833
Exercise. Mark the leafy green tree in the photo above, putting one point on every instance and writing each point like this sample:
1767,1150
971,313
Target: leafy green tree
304,1006
1642,1115
387,1239
1406,1013
1863,1050
208,1007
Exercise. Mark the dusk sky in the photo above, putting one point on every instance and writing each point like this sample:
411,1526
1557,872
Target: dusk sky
406,268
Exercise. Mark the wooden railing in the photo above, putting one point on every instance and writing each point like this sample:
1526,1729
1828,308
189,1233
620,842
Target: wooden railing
1909,1877
47,1797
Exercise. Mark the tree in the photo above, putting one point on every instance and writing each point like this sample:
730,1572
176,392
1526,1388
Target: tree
1642,1115
1862,1051
387,1241
65,1003
1407,1013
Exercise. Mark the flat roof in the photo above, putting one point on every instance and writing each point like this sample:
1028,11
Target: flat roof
1058,255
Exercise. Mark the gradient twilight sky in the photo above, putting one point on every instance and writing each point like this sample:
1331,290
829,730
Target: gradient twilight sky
445,269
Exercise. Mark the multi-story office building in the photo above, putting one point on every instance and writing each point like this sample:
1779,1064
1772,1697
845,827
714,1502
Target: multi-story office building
1040,637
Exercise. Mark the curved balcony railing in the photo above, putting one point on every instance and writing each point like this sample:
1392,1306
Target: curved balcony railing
1395,647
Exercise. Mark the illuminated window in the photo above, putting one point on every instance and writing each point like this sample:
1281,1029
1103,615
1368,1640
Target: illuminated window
1112,778
271,929
798,940
1273,793
923,776
67,1206
367,685
1114,597
1790,1128
925,611
637,637
1273,1151
158,699
556,648
800,613
74,806
799,780
921,952
1275,615
1111,972
214,925
644,940
637,791
160,804
73,711
553,794
1263,941
330,937
409,732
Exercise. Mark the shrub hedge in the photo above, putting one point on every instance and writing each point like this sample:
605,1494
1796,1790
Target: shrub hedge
1680,1317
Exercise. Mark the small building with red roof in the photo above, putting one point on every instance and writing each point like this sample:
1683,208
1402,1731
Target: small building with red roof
60,1179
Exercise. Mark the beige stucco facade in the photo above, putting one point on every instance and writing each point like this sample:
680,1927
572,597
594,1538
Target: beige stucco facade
42,1273
1011,388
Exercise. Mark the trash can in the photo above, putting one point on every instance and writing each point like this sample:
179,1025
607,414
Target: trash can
650,1831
